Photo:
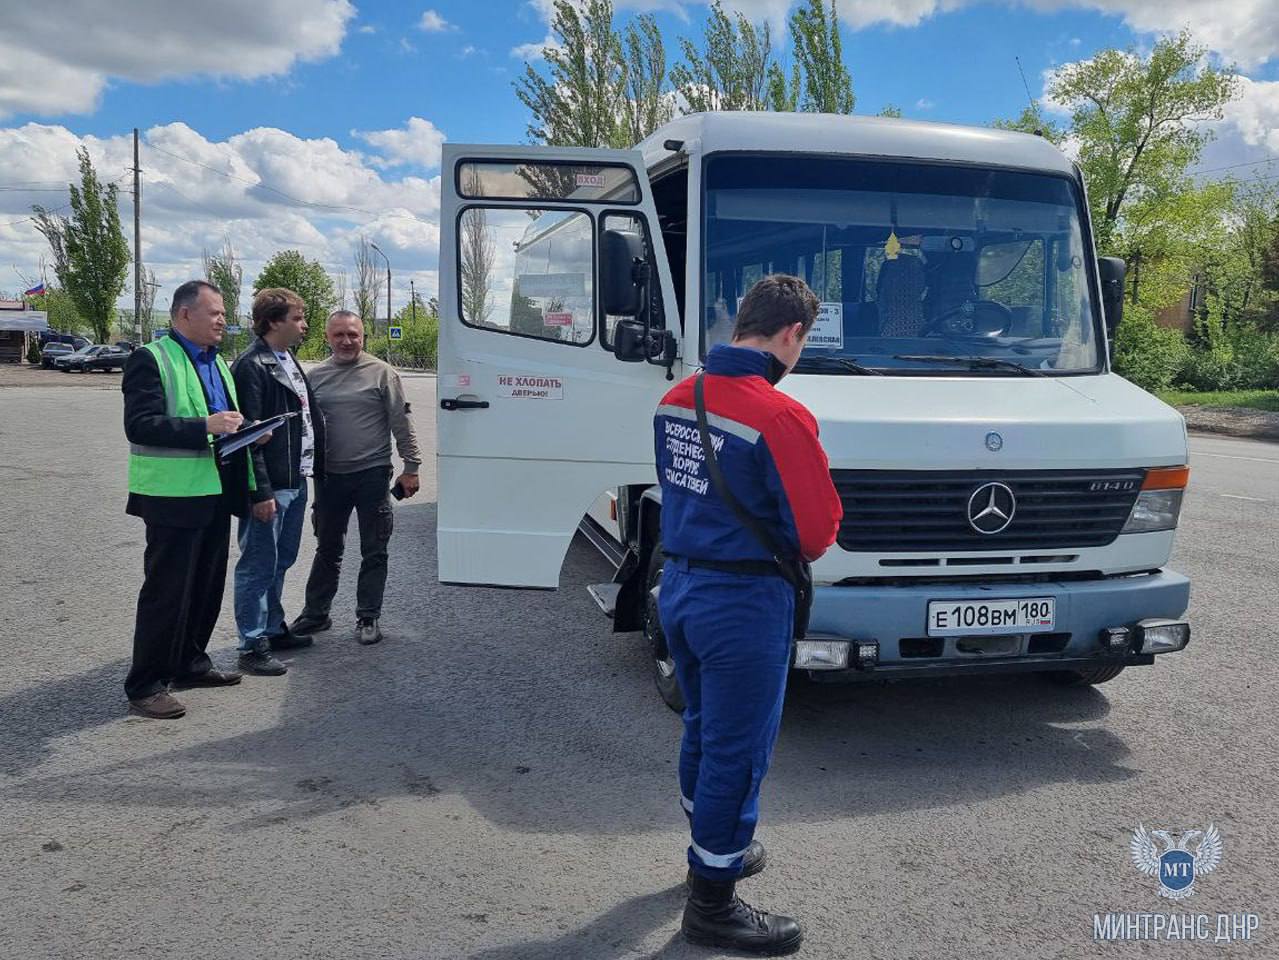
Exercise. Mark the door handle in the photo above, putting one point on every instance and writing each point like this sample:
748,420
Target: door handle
457,403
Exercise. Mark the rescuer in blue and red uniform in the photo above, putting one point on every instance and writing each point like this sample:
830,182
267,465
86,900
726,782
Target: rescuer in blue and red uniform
727,614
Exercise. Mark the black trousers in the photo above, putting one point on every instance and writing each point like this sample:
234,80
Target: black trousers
336,495
179,603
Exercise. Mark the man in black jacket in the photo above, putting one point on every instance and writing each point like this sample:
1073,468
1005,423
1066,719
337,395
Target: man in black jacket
270,381
184,495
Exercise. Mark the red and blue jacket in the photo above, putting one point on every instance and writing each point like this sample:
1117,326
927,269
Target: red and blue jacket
767,447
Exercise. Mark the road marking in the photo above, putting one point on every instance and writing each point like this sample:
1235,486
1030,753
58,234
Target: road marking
1227,456
1235,496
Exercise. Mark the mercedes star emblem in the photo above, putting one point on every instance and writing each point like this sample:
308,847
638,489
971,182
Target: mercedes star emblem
994,442
991,508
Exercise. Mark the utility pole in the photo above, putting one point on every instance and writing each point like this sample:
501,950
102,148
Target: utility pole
413,303
389,321
137,243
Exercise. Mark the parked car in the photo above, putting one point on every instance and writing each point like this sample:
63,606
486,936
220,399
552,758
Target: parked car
74,339
96,357
52,351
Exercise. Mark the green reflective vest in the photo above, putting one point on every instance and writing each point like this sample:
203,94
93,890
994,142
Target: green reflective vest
174,471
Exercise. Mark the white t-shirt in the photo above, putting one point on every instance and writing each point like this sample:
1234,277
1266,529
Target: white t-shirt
307,466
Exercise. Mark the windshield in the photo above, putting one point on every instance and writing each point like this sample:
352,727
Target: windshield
920,268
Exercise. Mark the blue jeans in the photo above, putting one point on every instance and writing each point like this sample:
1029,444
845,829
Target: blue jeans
730,637
267,550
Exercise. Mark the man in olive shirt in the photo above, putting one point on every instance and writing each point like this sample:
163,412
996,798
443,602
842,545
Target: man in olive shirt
362,400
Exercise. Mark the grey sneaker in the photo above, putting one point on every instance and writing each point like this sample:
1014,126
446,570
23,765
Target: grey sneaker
261,663
367,631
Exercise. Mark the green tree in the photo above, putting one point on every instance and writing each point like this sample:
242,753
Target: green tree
580,102
1034,120
478,256
819,53
890,110
526,316
734,71
368,282
1254,233
63,315
783,96
646,104
90,255
308,280
1139,122
223,270
419,340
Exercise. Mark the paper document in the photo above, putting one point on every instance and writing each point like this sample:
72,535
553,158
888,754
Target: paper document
227,444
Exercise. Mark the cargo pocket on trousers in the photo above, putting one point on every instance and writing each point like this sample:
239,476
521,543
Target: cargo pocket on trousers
385,523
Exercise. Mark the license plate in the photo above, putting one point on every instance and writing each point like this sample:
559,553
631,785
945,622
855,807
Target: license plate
969,618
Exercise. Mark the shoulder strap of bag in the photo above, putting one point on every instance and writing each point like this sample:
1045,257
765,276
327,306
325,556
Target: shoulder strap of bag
748,520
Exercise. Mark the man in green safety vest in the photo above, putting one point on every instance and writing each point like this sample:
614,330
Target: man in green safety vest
178,395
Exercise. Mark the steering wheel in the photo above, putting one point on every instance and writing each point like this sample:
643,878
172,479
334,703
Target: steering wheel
972,318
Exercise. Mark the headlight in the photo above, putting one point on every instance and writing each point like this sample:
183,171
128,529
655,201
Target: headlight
1158,504
1154,510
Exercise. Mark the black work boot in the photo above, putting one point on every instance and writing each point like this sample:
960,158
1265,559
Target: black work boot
754,860
715,917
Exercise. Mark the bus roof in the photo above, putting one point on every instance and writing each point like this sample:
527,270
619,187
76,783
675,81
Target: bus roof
826,133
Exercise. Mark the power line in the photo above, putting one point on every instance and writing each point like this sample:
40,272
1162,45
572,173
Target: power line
1235,166
195,203
14,223
58,209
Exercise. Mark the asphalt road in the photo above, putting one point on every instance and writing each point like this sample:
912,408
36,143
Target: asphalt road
496,780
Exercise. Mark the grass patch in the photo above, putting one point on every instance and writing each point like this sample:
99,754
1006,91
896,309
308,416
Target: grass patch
1252,399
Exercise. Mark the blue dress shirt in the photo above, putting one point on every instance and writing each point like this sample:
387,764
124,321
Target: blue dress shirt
206,366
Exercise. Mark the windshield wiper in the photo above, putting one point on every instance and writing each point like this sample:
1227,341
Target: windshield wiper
974,363
845,363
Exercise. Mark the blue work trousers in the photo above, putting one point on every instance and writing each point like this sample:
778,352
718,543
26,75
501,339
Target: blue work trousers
730,637
267,550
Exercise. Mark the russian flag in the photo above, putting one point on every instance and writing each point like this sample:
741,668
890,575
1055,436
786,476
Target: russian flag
36,291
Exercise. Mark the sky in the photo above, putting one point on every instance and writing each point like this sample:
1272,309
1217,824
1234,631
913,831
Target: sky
306,124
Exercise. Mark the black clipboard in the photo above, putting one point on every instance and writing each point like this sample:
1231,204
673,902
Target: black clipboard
229,443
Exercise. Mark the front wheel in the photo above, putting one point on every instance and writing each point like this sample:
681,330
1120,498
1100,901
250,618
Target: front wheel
655,638
1077,678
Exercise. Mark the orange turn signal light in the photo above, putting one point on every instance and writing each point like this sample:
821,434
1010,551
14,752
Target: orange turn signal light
1166,478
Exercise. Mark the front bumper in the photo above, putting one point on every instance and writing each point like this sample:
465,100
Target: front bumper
895,617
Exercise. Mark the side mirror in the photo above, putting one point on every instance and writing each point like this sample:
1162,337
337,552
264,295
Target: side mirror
620,251
630,341
1113,271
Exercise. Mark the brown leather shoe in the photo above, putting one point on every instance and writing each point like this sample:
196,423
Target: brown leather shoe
159,706
210,678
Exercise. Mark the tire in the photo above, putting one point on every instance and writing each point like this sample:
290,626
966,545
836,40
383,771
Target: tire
663,666
1079,678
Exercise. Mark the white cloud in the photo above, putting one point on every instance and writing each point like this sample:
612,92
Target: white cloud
432,22
535,51
1242,30
1255,114
367,28
406,46
154,40
466,51
923,103
418,143
226,189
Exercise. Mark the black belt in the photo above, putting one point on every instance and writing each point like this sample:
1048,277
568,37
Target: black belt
755,568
